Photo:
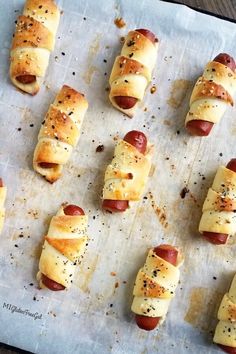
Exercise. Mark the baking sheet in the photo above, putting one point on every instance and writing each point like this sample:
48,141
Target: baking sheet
94,315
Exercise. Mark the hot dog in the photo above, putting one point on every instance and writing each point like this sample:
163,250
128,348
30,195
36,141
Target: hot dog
226,60
225,331
169,254
150,35
32,43
49,283
227,349
200,127
48,165
26,79
1,182
138,140
59,133
213,237
127,102
132,70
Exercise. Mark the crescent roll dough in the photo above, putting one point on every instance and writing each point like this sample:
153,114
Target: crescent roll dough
212,93
59,132
132,70
225,332
219,208
32,44
126,176
155,286
3,194
63,246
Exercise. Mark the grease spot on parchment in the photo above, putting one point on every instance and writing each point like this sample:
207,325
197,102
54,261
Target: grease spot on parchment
159,211
85,274
178,92
152,170
203,307
89,74
93,50
167,122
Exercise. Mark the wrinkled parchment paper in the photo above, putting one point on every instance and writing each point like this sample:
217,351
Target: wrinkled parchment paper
94,315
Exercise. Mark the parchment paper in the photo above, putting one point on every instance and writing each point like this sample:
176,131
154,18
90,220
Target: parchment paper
94,315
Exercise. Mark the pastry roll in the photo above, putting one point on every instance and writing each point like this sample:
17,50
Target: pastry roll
155,286
33,41
225,333
59,133
3,193
218,220
126,176
212,94
63,248
132,70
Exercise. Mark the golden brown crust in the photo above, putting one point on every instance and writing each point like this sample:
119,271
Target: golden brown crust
63,246
68,247
124,66
136,41
150,288
60,132
126,175
32,43
31,33
59,126
46,153
132,71
207,89
220,204
44,9
221,69
155,286
70,100
24,66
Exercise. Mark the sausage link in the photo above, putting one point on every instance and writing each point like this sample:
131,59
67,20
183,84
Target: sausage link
199,127
1,182
227,349
169,254
115,205
26,79
226,60
48,165
51,284
138,140
125,102
214,237
72,209
151,36
231,165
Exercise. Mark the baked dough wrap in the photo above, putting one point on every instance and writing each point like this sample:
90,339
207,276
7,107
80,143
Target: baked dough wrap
155,286
212,93
126,176
63,247
132,70
3,194
32,43
225,332
59,132
219,208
